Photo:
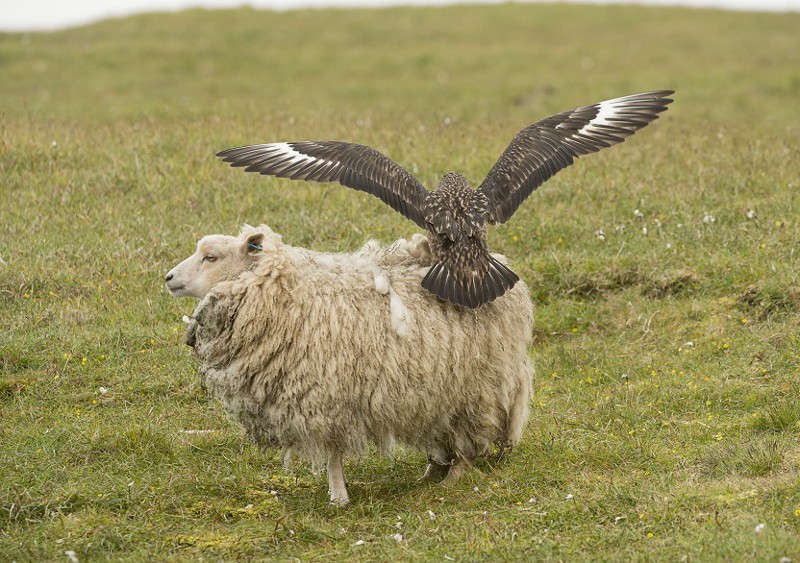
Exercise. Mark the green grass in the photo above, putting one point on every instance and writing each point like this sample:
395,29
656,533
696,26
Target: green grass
664,425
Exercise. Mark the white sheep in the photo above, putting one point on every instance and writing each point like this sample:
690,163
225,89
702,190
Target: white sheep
325,353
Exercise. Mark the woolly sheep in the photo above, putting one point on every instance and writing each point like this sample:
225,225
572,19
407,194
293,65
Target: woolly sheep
324,354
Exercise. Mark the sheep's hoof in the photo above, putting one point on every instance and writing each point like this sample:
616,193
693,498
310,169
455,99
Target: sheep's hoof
435,472
339,502
455,473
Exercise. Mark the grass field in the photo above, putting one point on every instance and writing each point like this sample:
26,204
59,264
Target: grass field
665,424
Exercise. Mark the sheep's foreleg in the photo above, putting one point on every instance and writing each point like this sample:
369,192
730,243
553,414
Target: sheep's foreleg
336,482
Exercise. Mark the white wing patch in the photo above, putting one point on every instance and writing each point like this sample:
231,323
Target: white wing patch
607,113
290,158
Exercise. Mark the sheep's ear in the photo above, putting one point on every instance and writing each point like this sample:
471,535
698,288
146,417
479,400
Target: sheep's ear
254,244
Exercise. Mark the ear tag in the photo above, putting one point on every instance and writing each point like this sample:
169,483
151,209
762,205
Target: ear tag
254,246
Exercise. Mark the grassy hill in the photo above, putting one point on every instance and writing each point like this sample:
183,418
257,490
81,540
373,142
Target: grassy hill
665,418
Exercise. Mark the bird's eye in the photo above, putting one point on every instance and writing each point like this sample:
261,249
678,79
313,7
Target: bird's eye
209,258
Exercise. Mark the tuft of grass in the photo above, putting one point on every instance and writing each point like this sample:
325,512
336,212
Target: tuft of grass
752,457
782,416
664,419
769,298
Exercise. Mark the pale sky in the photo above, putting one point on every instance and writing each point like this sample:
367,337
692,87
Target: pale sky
34,15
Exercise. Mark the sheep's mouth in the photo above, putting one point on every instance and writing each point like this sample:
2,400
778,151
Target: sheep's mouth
173,289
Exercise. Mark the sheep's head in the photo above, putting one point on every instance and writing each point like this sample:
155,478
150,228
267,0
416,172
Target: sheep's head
218,258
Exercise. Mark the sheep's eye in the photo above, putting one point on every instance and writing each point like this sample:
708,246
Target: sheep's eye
209,258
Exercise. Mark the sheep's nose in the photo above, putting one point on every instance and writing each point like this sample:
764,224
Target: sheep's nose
169,276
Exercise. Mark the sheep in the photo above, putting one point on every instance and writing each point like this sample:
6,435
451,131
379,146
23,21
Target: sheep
303,351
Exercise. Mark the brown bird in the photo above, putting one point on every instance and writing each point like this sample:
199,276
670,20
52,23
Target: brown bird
455,215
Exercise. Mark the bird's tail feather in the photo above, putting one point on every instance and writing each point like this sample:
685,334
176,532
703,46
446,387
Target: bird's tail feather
497,279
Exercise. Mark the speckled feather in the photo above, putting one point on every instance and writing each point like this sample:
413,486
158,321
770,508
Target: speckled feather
455,215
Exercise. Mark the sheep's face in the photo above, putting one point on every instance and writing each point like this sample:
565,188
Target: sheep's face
218,258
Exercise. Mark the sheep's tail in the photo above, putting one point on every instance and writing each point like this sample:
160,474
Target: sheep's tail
472,293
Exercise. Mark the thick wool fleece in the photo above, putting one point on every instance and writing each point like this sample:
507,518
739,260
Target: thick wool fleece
304,351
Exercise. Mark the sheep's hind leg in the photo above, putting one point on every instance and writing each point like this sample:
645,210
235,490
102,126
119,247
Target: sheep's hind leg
336,483
456,471
434,472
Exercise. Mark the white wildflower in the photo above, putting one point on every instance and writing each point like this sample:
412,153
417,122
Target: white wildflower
431,515
708,218
570,496
601,236
669,246
644,230
760,528
532,500
103,391
398,537
638,214
72,557
750,214
359,542
785,559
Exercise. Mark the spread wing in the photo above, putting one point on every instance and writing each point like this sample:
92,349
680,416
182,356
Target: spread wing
541,150
355,166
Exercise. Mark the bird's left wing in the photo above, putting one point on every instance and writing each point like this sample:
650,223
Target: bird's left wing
541,150
355,166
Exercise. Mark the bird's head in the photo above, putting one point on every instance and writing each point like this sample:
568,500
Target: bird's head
453,180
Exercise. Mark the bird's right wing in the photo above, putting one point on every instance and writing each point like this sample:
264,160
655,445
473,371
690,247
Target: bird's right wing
543,149
355,166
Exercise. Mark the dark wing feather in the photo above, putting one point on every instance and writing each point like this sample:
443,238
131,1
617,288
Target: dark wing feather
541,150
355,166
